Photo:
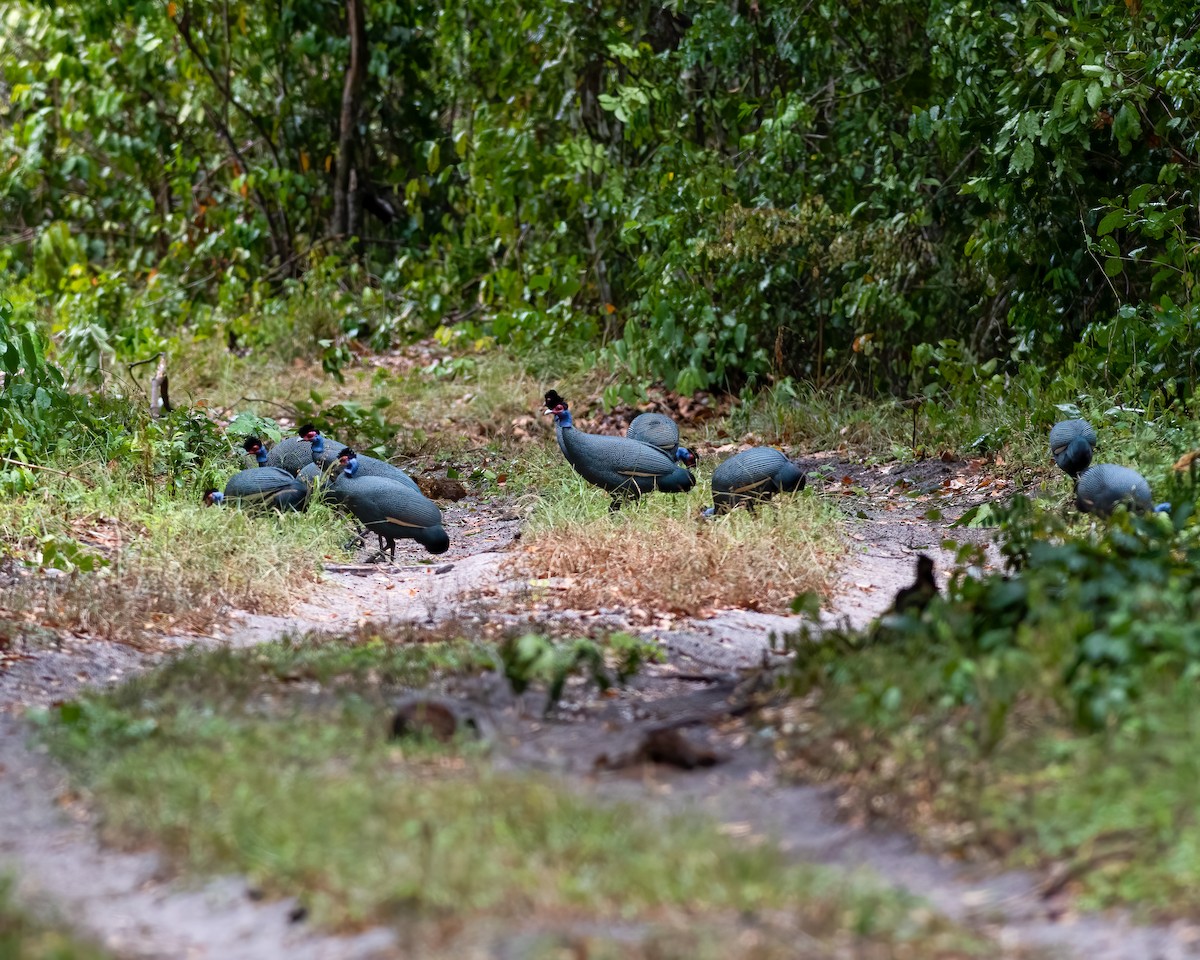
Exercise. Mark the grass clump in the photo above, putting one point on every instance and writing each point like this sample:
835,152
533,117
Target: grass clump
660,555
1053,719
317,802
22,937
126,566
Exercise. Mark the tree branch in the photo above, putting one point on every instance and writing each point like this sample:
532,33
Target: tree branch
356,73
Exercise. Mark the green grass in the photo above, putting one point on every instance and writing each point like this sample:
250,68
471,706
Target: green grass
23,937
315,801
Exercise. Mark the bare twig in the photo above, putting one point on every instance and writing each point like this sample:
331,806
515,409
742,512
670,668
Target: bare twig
291,411
160,400
38,466
139,363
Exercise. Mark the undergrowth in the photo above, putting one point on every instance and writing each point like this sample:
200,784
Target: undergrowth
422,402
1053,719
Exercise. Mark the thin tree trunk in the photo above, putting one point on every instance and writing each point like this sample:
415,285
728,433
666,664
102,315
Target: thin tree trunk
356,73
160,399
277,218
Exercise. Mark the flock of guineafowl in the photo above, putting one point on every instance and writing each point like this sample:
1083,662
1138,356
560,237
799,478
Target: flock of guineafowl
390,504
1100,488
382,497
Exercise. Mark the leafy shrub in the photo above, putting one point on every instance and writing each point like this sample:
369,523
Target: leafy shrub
37,413
1093,620
638,189
532,658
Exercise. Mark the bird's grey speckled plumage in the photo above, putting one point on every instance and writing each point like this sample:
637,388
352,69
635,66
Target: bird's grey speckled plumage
1105,485
1072,444
659,430
293,454
656,429
324,453
269,487
625,468
312,475
755,474
391,510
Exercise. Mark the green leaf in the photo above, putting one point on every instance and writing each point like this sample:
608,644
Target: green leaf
1022,157
1112,220
1127,127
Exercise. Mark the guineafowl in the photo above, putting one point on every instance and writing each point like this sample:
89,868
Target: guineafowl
553,401
625,468
262,486
387,508
915,597
322,453
1072,443
319,483
293,453
753,475
256,451
659,430
1102,487
308,474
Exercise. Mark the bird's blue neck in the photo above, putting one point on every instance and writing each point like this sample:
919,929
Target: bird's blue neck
217,497
351,467
261,456
318,444
564,420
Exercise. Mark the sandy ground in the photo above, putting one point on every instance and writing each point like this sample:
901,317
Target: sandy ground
48,840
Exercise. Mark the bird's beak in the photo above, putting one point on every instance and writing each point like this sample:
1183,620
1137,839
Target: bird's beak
547,411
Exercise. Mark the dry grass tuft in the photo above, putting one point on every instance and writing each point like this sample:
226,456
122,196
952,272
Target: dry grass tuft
660,557
130,573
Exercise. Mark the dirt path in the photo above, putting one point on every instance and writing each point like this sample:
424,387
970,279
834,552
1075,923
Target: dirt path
123,899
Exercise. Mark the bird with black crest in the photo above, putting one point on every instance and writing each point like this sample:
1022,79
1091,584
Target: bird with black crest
625,468
387,508
263,486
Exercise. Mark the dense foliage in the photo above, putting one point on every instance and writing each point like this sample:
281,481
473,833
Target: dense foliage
1052,719
1093,621
718,193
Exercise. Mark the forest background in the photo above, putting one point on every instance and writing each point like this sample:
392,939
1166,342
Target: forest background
989,202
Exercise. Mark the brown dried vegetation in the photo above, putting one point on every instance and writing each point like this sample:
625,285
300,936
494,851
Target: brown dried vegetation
656,558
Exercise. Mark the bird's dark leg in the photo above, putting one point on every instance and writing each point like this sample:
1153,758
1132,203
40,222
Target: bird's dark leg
358,540
614,504
377,556
392,546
